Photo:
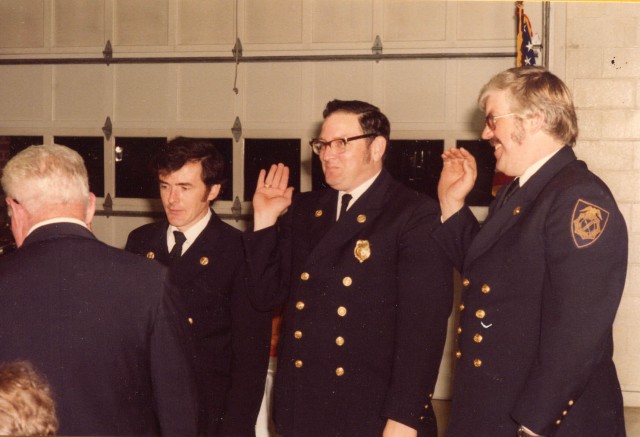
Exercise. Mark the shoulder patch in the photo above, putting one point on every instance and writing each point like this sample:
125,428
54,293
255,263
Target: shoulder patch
587,223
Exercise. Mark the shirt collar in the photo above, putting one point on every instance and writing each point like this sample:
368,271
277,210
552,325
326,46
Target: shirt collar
191,234
57,220
359,190
534,168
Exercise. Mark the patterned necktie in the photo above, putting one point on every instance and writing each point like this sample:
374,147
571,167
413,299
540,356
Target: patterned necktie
176,252
346,198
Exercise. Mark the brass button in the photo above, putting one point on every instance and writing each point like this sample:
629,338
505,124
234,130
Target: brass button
461,306
477,362
466,282
151,255
342,311
571,403
298,363
421,418
426,407
458,354
339,341
339,371
477,338
516,210
347,281
480,314
190,320
430,395
299,305
361,218
204,261
318,213
459,329
485,289
558,422
564,413
305,276
298,334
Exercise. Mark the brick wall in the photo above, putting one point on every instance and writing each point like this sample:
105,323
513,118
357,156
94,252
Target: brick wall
603,72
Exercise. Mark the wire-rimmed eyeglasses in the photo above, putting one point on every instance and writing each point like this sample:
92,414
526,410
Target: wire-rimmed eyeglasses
338,145
491,119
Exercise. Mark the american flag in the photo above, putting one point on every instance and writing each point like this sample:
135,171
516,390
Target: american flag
525,55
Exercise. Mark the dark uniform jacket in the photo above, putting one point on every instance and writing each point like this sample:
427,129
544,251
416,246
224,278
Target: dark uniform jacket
542,282
97,322
366,302
230,338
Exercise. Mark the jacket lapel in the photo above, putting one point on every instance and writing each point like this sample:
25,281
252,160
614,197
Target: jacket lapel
516,208
199,254
363,211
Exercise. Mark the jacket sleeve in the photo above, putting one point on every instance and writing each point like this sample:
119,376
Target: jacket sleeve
456,234
425,298
250,342
172,377
268,256
586,248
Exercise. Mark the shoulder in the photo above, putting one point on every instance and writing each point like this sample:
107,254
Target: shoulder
146,232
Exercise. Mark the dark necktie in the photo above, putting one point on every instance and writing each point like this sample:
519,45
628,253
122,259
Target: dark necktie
511,190
176,252
346,198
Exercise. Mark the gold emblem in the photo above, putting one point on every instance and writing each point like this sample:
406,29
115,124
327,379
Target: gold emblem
587,223
204,261
362,251
151,255
361,218
318,213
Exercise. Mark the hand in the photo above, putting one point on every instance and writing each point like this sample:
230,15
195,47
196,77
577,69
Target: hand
272,196
459,172
397,429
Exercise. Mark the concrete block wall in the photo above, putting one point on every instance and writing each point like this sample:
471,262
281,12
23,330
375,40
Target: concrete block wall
603,71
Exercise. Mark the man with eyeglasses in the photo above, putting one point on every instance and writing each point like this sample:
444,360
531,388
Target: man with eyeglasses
365,289
542,278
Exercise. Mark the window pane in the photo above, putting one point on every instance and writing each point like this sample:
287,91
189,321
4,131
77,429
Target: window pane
92,151
134,177
481,194
416,163
261,153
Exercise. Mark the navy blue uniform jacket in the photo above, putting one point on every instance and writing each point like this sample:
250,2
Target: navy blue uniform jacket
98,324
542,282
230,338
366,302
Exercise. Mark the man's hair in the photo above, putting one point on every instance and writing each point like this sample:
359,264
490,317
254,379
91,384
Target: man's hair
534,90
26,401
372,121
48,175
179,151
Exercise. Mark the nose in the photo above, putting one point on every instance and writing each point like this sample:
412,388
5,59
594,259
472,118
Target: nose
327,153
487,133
173,195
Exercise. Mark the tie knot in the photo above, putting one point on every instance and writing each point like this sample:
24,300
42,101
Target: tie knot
344,204
179,236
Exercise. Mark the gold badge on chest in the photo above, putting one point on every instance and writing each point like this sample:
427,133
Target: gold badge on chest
362,250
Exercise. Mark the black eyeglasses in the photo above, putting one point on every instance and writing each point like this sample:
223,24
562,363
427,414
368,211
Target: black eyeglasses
338,145
491,119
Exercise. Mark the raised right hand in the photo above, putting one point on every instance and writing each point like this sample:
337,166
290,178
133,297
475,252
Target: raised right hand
459,172
272,196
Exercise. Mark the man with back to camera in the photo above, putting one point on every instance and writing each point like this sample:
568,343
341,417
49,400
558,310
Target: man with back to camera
542,278
206,263
366,292
96,321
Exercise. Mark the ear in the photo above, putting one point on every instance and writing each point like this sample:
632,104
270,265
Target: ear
378,147
535,123
19,221
213,192
91,210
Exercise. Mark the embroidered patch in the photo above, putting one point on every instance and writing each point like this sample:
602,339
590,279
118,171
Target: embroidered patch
587,223
362,250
